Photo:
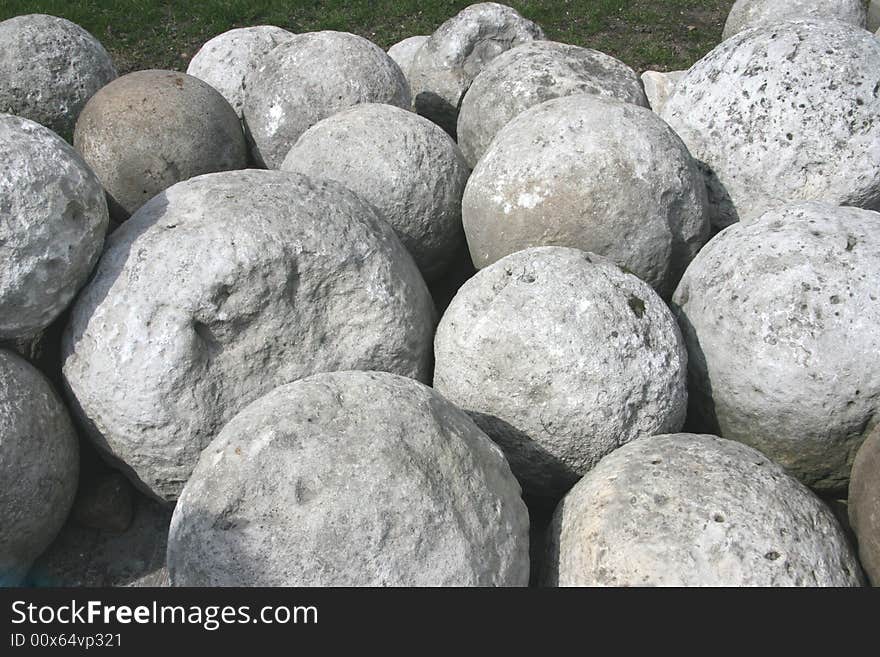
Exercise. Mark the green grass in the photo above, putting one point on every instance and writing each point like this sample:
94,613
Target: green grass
646,34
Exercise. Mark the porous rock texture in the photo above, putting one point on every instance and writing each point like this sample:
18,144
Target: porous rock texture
659,86
151,129
694,510
784,113
781,318
593,173
530,74
403,52
561,357
746,14
446,64
311,77
222,288
350,479
49,68
225,61
39,466
53,218
864,504
407,167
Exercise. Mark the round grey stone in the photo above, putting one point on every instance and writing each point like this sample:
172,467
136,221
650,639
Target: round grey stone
404,165
39,466
49,68
659,86
350,479
593,173
561,357
446,64
403,52
694,510
222,288
746,14
151,129
225,61
864,504
53,218
784,113
530,74
780,318
311,77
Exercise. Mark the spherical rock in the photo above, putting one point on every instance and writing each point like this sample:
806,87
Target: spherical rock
404,165
593,173
694,510
49,68
560,357
350,479
403,52
151,129
530,74
659,87
747,14
780,317
222,288
225,61
864,504
446,64
53,217
311,77
39,465
784,113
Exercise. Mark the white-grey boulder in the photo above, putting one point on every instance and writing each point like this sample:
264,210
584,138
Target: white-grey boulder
561,357
49,68
53,218
350,479
311,77
39,466
530,74
222,288
447,63
694,510
746,14
225,61
784,113
659,86
403,52
782,322
593,173
403,164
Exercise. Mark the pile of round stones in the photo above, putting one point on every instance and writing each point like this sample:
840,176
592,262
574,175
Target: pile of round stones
483,310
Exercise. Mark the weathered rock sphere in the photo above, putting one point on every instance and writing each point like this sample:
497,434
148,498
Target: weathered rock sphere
593,173
784,113
151,129
49,68
694,510
350,479
864,504
53,217
403,52
560,357
222,288
747,14
403,164
659,87
779,317
39,466
311,77
530,74
225,61
447,63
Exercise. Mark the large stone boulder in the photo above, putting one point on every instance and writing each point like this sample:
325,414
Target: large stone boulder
781,318
403,164
151,129
659,86
222,288
593,173
447,63
350,479
747,14
530,74
403,52
225,61
864,504
53,218
694,510
561,357
49,68
39,466
311,77
784,113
